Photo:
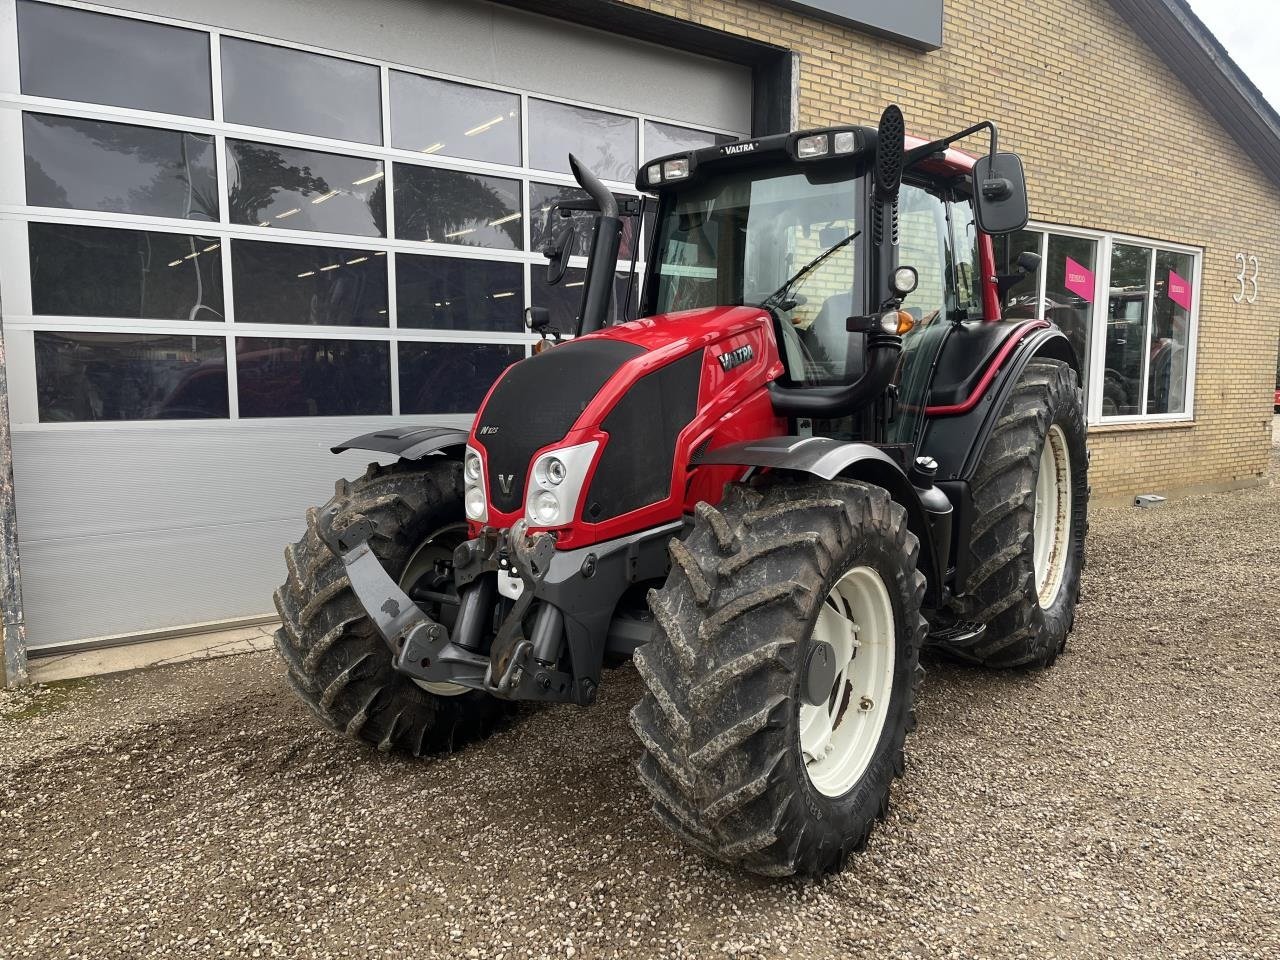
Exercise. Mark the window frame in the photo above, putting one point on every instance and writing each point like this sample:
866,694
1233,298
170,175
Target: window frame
1097,334
15,214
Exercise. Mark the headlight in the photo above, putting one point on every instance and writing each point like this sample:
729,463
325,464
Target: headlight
814,146
653,173
556,482
474,500
676,169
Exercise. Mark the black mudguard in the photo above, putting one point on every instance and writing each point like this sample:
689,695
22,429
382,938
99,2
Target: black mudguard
957,442
410,443
828,458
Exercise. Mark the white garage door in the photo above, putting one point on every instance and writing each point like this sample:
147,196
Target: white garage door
227,243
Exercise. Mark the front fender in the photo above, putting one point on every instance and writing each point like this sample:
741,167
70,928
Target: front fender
830,459
410,443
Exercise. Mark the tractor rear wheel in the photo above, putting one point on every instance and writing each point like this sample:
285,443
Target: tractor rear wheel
337,662
1026,546
781,679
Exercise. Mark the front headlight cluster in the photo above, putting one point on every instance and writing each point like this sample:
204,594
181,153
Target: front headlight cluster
556,483
473,495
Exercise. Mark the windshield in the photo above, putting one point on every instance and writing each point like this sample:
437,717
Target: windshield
767,236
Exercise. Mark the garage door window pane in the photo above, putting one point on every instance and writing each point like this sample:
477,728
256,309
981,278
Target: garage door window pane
449,293
137,274
1126,330
663,138
542,195
1170,333
275,186
72,54
449,206
268,86
119,167
279,377
450,377
299,283
605,142
1068,296
454,120
129,376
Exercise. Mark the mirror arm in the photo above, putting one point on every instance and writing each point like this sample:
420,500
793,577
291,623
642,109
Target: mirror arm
935,146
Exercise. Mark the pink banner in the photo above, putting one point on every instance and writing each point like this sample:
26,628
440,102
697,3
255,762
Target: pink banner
1079,280
1179,290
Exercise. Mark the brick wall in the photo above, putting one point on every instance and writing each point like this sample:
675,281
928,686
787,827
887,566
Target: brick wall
1112,140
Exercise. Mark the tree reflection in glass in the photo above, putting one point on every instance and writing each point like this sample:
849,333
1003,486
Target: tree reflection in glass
450,206
274,186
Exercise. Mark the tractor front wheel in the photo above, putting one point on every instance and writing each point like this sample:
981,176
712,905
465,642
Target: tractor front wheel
337,663
782,675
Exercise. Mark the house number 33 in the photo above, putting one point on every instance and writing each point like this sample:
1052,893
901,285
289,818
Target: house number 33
1247,278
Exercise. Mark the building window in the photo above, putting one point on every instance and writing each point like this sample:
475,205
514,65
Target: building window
80,271
543,195
1126,305
71,54
118,167
661,139
285,89
451,377
301,283
605,142
454,120
284,377
273,186
452,206
450,293
129,376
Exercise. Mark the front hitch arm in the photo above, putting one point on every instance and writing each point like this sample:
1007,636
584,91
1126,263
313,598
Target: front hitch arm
420,647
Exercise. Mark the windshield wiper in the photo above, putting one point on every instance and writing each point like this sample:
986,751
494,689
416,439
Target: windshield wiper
813,264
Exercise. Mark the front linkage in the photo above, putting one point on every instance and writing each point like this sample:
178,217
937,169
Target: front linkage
520,664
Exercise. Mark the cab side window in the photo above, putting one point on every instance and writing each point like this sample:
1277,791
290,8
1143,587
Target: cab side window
968,269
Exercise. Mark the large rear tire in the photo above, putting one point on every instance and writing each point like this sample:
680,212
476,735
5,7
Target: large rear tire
337,662
738,761
1026,546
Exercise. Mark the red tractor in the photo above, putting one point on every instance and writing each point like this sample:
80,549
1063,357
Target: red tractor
819,450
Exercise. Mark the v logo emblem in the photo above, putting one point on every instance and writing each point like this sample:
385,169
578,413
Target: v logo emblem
506,481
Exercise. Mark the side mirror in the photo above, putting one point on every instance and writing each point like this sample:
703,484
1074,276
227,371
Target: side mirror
557,251
1000,193
1027,263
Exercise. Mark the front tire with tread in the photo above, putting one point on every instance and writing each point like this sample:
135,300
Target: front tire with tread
734,623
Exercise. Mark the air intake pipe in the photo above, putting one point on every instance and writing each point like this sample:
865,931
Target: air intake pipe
606,236
883,350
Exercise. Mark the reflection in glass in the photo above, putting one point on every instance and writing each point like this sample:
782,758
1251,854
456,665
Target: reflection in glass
119,167
450,293
137,274
565,298
278,377
542,195
1170,333
71,54
300,283
1068,295
454,120
663,138
129,376
1126,330
285,89
450,206
605,142
273,186
450,377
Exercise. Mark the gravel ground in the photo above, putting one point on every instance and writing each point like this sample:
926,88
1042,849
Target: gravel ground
1125,803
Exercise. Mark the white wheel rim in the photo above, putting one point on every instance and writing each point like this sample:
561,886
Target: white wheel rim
838,738
1051,527
414,569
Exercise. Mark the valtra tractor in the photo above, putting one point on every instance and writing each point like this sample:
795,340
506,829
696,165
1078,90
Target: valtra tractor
818,450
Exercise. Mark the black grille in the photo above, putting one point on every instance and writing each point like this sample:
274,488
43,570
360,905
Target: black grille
536,402
635,468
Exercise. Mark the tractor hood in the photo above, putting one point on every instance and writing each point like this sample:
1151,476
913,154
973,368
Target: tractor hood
648,379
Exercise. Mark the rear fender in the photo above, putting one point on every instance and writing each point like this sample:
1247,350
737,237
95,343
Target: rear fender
831,459
410,443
